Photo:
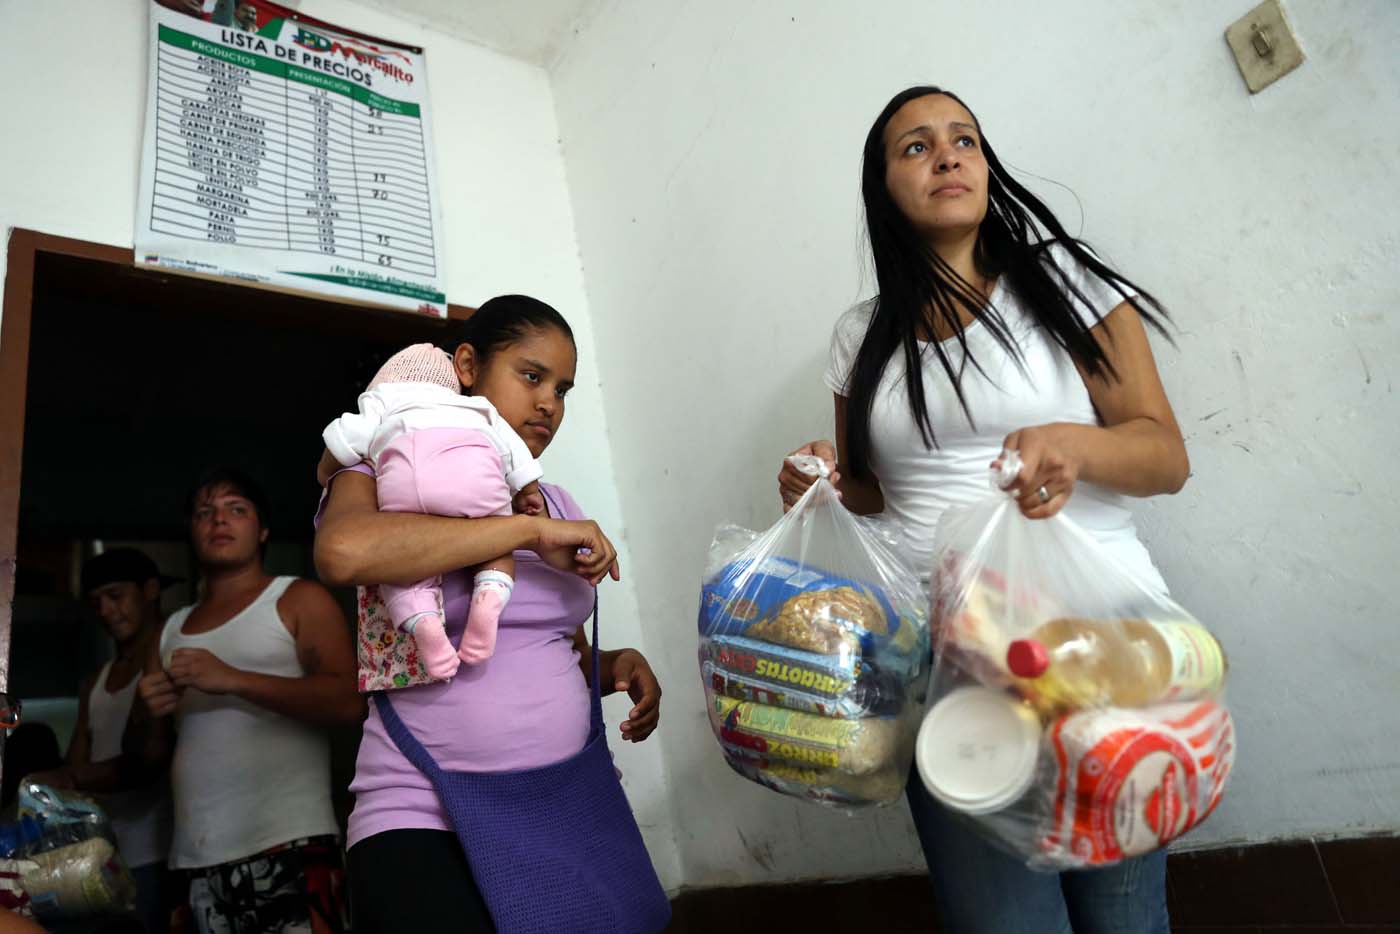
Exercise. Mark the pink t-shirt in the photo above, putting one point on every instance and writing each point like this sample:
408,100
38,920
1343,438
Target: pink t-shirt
524,707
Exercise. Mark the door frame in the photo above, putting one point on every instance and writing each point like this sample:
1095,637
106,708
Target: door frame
23,253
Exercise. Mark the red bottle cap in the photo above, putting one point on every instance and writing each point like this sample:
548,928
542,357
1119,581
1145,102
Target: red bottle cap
1027,658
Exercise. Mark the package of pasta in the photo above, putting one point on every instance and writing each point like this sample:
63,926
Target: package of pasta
814,652
70,868
1077,714
840,685
829,786
857,747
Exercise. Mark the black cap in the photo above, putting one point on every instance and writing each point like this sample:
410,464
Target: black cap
121,565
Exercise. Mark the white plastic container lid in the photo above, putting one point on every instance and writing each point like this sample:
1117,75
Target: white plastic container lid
977,749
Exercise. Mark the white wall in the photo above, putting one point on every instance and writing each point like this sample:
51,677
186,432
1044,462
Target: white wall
75,78
713,159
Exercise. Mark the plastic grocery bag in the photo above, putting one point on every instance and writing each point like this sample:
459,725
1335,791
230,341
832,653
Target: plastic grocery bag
814,652
66,856
1077,713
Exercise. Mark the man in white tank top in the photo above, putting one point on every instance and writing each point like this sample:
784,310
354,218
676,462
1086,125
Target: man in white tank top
122,585
235,698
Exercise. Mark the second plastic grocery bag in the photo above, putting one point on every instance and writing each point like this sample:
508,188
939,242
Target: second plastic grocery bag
814,652
1078,716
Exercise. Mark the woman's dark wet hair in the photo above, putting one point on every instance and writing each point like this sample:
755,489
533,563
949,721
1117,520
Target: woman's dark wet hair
918,290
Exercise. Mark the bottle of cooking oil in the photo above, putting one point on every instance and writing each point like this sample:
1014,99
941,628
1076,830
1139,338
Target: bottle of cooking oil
1072,663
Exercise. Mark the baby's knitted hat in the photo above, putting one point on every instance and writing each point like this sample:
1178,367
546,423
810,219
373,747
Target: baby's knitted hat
421,363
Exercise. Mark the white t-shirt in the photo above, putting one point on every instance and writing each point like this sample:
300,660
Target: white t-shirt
391,409
919,483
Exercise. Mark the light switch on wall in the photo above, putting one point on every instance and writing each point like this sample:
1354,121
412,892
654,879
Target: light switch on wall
1264,45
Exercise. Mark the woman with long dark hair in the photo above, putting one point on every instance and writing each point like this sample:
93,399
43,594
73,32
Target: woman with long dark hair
993,330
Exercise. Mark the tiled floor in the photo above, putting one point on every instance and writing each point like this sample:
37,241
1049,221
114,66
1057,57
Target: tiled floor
1302,887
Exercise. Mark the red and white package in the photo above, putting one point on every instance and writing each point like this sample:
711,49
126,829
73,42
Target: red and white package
1129,781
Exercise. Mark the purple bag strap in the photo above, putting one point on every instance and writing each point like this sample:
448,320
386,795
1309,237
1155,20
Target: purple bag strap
408,744
423,760
413,750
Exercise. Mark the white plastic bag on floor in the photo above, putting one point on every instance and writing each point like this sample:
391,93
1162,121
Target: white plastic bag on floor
814,653
70,869
1077,713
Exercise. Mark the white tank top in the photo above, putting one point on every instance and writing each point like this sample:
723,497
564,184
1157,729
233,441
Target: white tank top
140,818
244,778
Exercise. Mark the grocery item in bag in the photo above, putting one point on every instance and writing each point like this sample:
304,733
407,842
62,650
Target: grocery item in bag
978,749
814,652
1071,663
858,747
1096,787
79,880
1129,781
796,604
967,629
842,685
1077,715
70,865
828,785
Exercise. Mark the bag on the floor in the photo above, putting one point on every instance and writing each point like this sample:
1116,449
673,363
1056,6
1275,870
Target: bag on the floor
66,858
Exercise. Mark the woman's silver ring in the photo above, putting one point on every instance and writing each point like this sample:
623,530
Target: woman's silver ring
1043,494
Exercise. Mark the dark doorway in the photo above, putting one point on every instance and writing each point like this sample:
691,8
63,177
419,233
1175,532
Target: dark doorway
131,382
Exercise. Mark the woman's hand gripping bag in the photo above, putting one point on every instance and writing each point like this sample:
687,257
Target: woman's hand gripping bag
814,653
1077,714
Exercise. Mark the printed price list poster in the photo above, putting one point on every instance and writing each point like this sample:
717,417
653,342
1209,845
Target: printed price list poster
284,151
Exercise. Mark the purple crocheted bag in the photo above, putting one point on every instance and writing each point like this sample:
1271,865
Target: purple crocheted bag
555,848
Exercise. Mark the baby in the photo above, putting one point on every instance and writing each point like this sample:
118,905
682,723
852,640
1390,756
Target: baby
439,452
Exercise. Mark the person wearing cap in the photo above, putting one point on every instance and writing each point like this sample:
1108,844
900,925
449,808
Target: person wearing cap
122,585
236,697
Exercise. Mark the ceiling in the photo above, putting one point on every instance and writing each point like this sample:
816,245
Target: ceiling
536,31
